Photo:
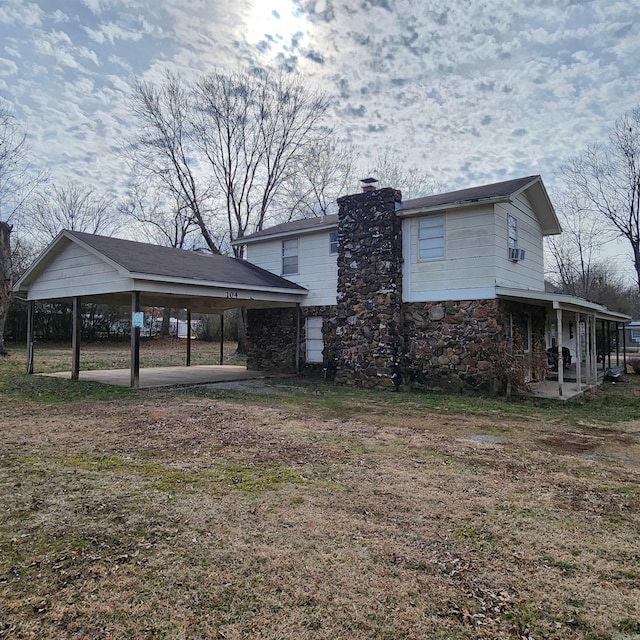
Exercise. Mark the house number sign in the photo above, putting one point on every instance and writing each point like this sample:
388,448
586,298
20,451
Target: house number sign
232,294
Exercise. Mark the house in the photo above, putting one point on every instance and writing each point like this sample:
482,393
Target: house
443,290
632,336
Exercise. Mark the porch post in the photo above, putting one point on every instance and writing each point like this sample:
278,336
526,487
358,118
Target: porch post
604,344
609,342
560,363
589,347
576,318
297,337
617,344
222,337
624,347
188,337
135,342
594,349
75,339
30,314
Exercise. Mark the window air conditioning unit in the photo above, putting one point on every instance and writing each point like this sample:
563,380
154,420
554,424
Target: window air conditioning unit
516,254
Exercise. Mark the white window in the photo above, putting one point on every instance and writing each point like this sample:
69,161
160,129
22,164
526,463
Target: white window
333,242
289,257
512,223
635,335
431,237
314,341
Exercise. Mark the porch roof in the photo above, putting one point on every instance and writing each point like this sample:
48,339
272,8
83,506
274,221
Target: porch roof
561,301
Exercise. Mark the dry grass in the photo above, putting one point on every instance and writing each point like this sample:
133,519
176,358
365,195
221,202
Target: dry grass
313,513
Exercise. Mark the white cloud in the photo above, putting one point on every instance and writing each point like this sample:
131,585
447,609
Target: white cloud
7,67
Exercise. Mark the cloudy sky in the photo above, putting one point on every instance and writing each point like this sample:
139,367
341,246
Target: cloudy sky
474,91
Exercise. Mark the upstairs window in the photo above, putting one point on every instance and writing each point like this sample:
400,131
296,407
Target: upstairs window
431,238
289,257
512,223
333,242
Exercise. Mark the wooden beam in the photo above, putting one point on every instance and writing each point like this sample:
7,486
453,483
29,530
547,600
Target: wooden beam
75,339
188,337
135,342
30,314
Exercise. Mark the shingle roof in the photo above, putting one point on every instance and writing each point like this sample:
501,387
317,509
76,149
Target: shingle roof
472,194
149,259
297,226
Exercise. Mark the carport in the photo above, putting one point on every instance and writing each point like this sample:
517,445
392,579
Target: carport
81,267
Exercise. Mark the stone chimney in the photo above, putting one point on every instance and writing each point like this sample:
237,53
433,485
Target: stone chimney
369,339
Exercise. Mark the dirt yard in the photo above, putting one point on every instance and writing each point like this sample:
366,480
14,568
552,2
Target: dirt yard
298,510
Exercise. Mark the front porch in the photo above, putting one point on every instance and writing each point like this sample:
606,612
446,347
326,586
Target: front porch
582,341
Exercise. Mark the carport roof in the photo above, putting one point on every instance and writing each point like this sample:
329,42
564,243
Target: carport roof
105,269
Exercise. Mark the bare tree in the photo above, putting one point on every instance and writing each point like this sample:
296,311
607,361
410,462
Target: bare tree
390,171
322,173
253,129
607,177
225,146
164,219
576,266
16,186
72,207
164,150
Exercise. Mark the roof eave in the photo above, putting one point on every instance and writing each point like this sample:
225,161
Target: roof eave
283,234
408,213
295,289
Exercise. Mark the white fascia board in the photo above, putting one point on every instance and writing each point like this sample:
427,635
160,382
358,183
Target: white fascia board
210,284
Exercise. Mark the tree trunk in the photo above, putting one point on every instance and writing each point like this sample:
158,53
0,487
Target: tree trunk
242,331
164,327
6,274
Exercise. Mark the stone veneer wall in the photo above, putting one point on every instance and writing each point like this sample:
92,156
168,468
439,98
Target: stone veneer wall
462,344
368,326
271,339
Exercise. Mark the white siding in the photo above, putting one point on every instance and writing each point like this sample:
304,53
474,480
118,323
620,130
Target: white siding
317,268
468,266
476,256
527,273
75,271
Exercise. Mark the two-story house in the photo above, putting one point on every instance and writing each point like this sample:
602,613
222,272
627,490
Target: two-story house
443,290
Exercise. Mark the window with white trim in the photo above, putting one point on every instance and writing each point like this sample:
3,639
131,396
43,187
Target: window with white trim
635,335
333,242
512,224
314,340
431,237
289,257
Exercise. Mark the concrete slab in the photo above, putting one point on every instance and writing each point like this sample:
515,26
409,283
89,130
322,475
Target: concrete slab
168,376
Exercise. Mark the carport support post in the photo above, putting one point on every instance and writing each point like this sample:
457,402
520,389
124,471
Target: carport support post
30,314
135,342
560,362
75,339
188,337
222,338
578,353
